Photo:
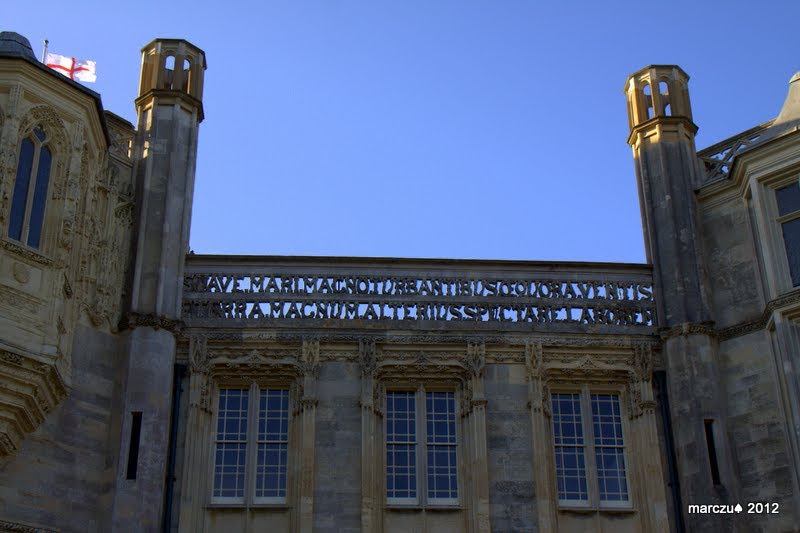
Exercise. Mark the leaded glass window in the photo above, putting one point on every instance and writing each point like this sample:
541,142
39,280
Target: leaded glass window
609,448
589,451
251,446
569,448
442,474
421,448
231,450
401,446
273,443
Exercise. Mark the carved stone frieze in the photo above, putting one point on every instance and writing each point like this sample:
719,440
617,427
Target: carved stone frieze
493,297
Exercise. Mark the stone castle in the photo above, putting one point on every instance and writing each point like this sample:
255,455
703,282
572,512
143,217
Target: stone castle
146,389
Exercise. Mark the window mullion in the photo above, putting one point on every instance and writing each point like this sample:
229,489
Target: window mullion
589,448
252,429
422,452
26,217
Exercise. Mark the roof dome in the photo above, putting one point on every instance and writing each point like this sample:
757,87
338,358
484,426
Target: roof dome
14,44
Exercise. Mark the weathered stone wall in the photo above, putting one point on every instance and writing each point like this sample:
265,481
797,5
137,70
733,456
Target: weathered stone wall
62,475
732,264
755,423
337,480
508,424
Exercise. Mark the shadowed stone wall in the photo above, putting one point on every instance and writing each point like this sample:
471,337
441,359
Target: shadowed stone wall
63,473
337,480
508,424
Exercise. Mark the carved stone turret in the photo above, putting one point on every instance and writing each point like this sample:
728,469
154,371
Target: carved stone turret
170,111
662,138
668,171
164,155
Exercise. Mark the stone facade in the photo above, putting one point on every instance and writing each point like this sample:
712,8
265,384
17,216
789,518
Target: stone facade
144,389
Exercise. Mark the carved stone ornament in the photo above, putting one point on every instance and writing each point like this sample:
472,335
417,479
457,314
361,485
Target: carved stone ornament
476,358
198,353
15,527
136,320
309,358
367,356
34,388
693,328
534,360
643,361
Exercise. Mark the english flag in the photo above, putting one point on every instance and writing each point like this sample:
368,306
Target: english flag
72,68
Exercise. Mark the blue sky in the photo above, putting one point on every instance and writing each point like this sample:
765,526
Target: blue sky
444,128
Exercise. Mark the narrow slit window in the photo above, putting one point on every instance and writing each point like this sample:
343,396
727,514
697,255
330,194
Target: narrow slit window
712,451
133,447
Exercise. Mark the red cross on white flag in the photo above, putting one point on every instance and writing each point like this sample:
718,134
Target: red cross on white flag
72,68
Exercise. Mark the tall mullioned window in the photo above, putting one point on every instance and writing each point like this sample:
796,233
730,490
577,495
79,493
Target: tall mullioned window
788,199
421,448
29,197
239,473
589,453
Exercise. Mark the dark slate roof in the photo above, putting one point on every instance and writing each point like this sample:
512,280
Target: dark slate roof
15,46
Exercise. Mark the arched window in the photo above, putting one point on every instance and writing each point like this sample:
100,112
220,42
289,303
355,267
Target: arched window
30,189
187,76
169,71
648,100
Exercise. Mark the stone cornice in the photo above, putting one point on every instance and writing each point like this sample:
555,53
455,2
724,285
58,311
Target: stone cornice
749,326
736,330
689,328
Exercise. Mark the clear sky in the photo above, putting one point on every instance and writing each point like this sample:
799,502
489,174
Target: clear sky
438,128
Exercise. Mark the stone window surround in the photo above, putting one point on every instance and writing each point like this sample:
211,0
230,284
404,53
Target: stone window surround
788,217
249,499
765,210
586,391
47,119
422,500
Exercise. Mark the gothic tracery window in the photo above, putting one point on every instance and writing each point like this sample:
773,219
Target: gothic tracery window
29,197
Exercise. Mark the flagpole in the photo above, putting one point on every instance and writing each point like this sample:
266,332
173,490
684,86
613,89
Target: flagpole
44,51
